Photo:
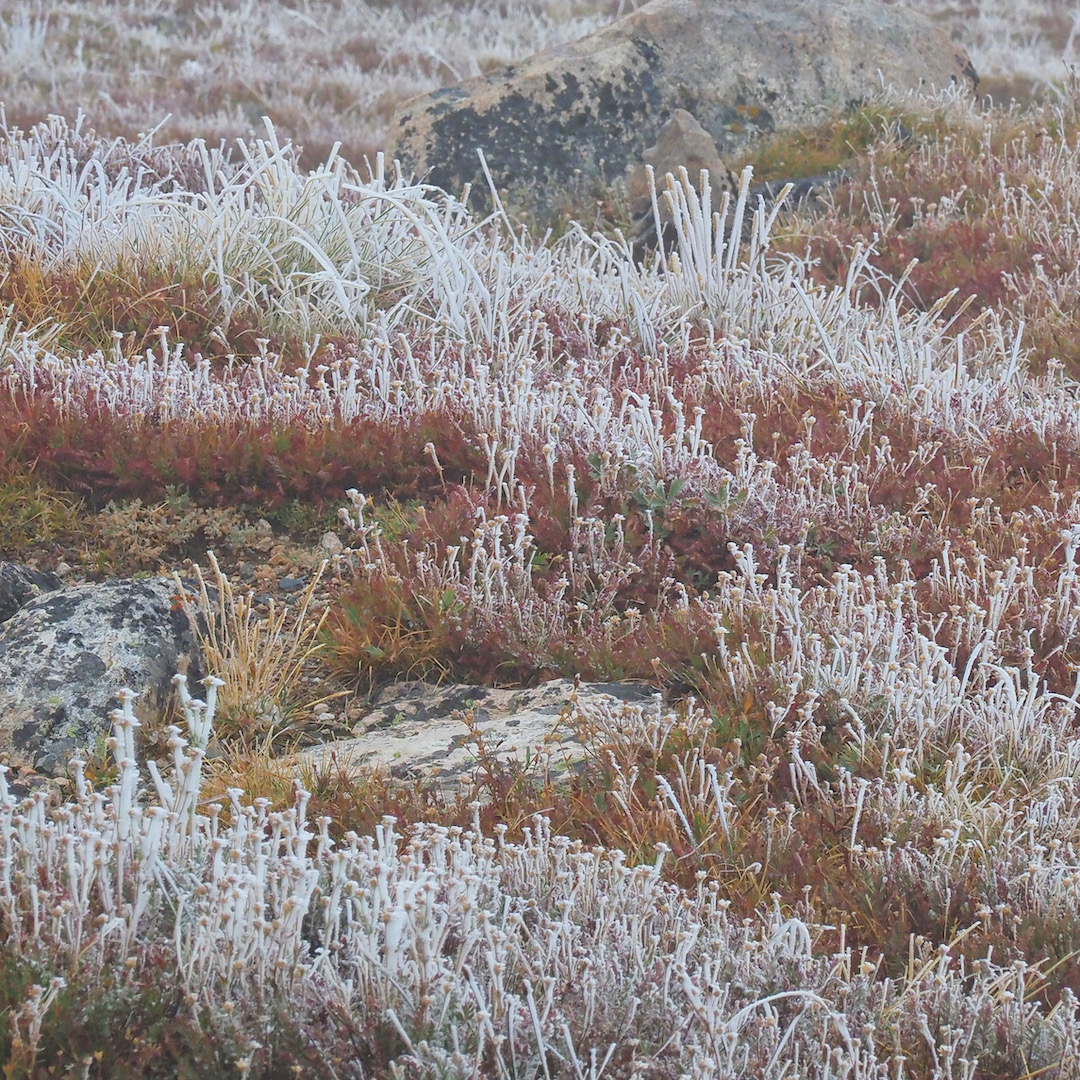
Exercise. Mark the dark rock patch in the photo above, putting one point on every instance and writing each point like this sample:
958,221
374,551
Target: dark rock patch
21,584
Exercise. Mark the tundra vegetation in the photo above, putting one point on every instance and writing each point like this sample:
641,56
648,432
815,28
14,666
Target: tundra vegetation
817,480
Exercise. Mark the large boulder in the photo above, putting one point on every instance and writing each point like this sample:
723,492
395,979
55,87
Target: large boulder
581,114
417,731
64,656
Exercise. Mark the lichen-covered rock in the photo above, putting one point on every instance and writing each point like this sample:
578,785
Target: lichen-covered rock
422,732
583,113
64,656
20,584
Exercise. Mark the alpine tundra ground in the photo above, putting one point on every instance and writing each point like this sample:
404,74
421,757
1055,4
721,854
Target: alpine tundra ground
820,487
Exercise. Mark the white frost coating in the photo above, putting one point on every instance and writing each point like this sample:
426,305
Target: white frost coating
492,948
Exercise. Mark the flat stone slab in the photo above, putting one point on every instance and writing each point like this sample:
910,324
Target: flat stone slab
418,731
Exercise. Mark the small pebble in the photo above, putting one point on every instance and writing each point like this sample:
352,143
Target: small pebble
291,584
331,544
63,569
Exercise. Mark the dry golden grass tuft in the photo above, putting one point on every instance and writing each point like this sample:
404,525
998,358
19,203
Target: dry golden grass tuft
260,658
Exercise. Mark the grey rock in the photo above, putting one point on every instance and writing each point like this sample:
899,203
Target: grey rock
418,731
681,143
583,113
330,544
64,656
20,584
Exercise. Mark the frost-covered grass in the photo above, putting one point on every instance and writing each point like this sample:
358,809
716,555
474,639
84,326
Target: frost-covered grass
325,72
252,933
826,505
1017,46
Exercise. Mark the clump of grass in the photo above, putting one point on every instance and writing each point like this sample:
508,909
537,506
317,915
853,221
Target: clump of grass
96,306
833,145
32,514
258,659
